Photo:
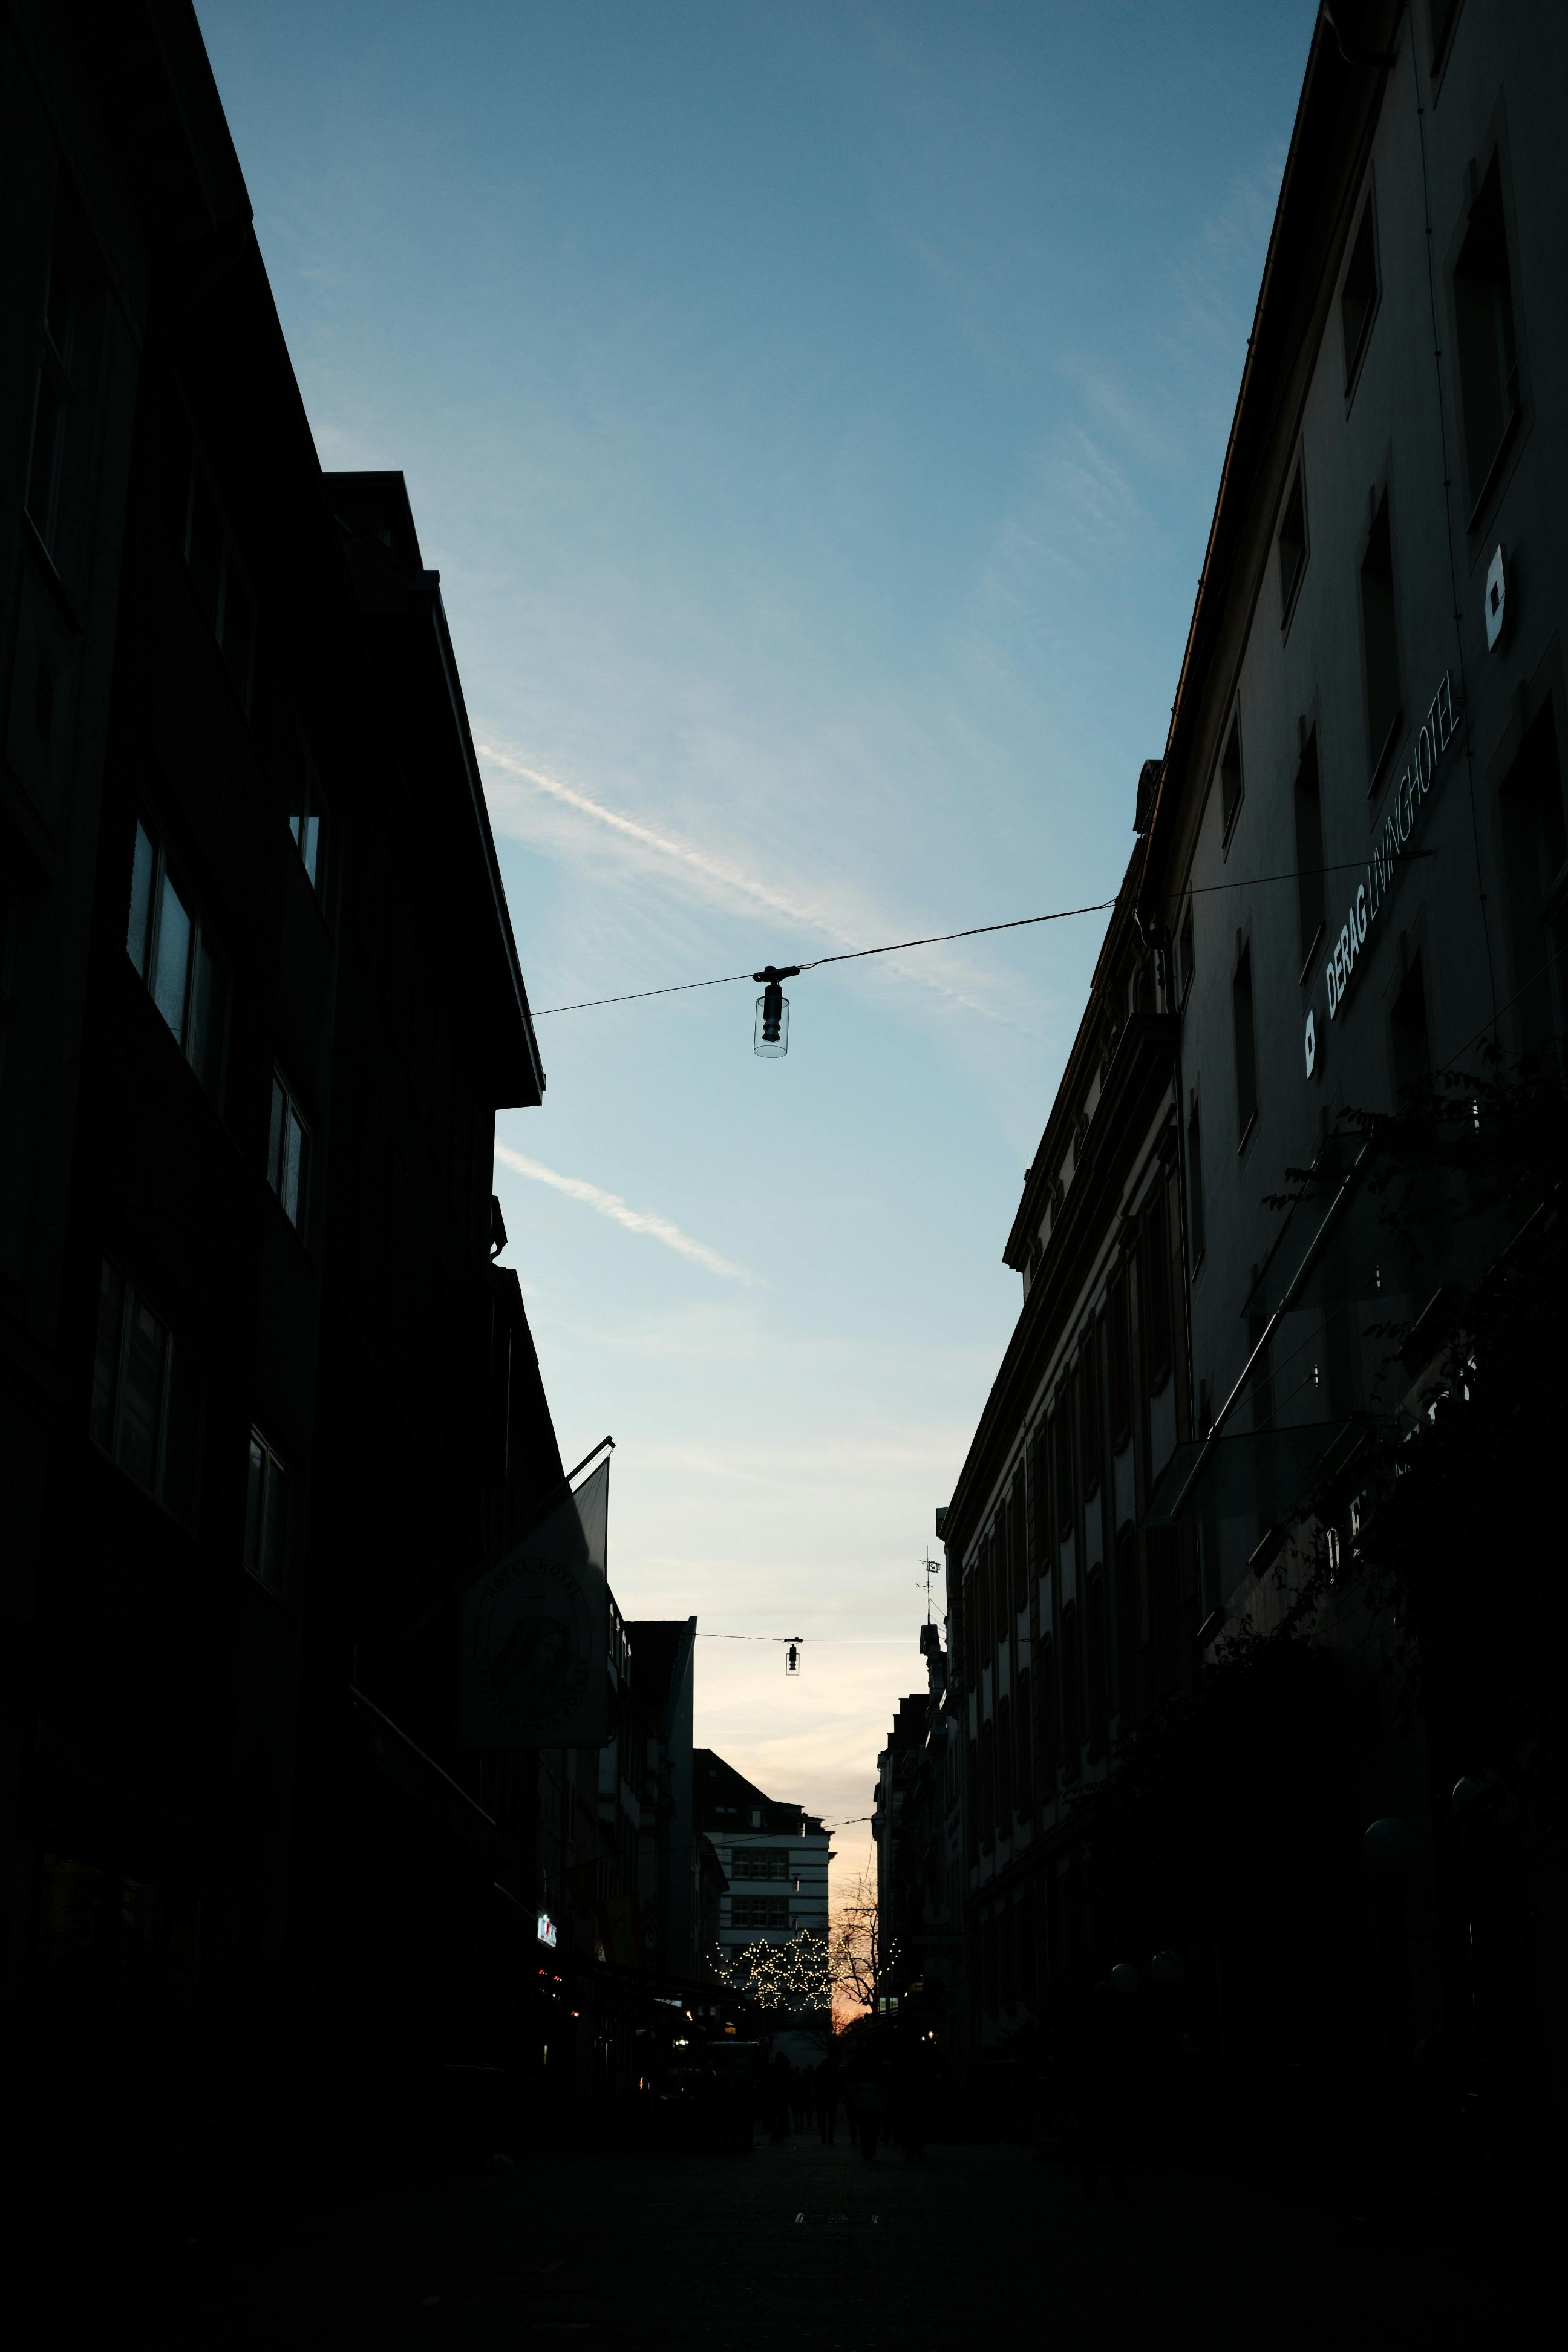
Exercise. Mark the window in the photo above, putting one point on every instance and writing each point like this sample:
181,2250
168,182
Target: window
1292,554
167,941
57,461
1488,344
1309,876
1061,1449
1097,1708
1187,959
1045,1728
1016,1549
1155,1290
1126,1599
996,1568
1164,1602
213,562
1196,1180
1023,1782
1072,1693
1120,1345
759,1911
1408,1038
1004,1789
308,823
1380,640
1246,1045
1088,1411
1039,1506
267,1516
1231,785
146,1405
1358,295
760,1862
287,1154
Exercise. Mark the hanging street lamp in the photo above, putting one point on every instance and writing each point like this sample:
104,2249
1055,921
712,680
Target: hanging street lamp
771,1037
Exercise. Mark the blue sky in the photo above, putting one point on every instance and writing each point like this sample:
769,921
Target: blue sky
815,412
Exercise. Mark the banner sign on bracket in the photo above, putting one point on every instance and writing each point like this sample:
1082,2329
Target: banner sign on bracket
533,1669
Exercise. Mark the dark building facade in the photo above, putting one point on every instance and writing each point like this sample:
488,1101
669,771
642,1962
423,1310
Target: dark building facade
267,1402
1067,1621
1350,885
773,1858
1373,697
917,1832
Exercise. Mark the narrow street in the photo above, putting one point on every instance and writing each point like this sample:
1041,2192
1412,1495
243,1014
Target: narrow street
797,2244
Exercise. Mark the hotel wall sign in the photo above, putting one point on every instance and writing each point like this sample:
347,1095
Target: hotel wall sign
1432,736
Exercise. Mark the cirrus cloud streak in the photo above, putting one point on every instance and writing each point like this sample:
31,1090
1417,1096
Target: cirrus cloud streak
610,1205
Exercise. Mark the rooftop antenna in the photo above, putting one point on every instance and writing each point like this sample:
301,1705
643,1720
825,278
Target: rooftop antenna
928,1568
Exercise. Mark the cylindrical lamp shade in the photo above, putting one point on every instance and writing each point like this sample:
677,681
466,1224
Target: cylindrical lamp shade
771,1035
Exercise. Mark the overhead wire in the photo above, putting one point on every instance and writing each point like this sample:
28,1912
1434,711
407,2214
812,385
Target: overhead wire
942,939
817,1641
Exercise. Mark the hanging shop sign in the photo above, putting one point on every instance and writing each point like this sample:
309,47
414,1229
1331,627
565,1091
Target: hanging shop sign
533,1661
1406,805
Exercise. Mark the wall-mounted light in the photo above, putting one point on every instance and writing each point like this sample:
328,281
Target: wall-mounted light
771,1037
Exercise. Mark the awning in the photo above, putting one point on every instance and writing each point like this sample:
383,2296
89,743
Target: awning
1407,1225
1261,1474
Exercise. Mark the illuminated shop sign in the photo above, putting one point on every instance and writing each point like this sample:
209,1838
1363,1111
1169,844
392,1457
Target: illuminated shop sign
547,1930
1408,800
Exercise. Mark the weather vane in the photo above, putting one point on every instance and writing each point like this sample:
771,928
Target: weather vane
928,1568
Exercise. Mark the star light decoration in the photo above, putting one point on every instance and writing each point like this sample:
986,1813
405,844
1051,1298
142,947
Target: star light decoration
796,1975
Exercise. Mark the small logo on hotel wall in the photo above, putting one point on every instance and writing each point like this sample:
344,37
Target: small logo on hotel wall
1496,596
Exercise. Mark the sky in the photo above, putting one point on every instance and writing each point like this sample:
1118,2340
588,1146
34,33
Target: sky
815,412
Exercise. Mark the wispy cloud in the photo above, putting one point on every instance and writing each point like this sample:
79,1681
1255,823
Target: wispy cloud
730,880
722,881
610,1205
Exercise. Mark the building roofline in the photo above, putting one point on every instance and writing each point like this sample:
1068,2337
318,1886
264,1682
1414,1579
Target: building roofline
1339,99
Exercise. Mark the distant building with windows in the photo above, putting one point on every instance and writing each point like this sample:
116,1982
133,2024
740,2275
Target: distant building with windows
774,1857
1070,1620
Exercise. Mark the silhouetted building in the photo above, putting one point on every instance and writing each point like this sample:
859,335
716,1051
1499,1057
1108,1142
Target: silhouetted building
1066,1620
773,1856
918,1831
655,1755
1372,698
1352,876
267,1402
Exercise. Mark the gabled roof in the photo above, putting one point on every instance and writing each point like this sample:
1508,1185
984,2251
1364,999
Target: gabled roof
658,1645
724,1801
1341,93
424,694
